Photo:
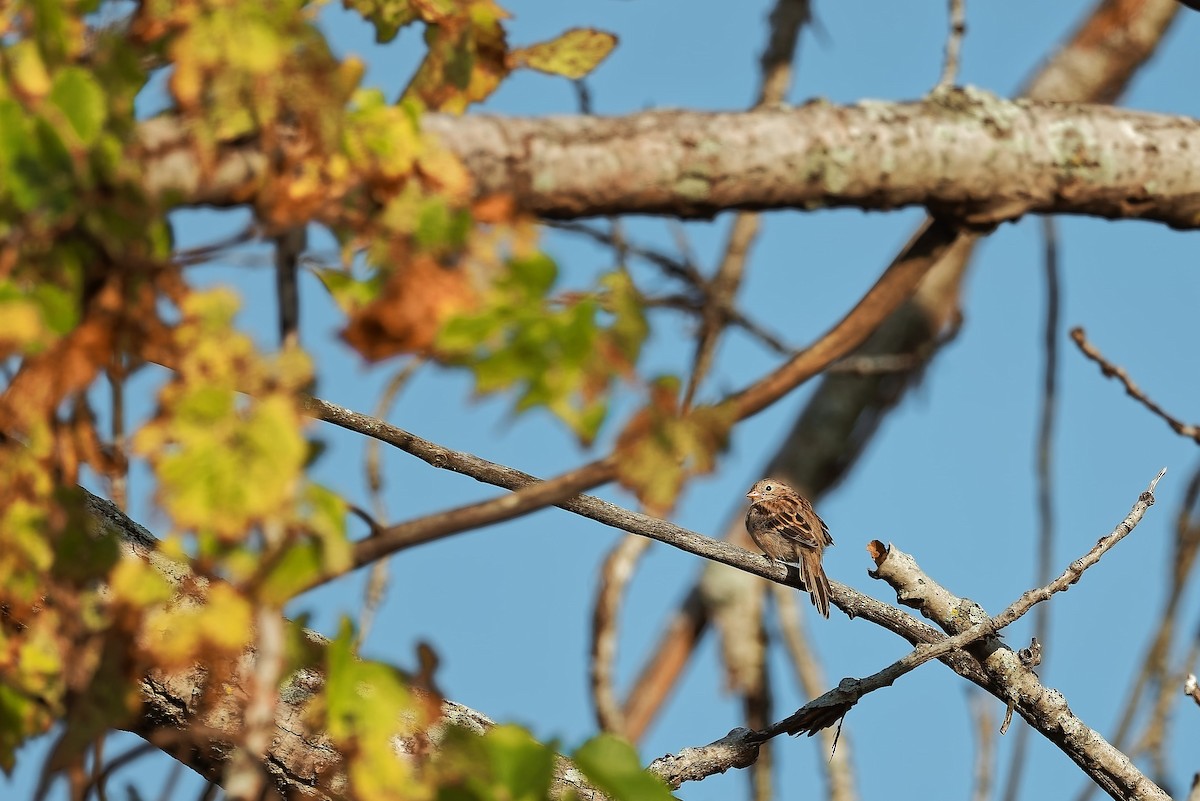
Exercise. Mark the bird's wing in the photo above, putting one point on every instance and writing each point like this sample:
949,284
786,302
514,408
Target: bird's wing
796,527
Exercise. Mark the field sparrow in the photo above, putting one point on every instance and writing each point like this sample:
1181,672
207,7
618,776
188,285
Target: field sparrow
785,527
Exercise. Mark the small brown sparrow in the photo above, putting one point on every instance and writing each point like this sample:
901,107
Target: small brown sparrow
784,526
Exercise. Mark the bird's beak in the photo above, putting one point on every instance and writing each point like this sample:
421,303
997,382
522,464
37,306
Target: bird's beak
752,495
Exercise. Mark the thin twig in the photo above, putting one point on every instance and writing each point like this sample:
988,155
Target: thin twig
529,493
786,21
811,678
203,253
377,580
96,780
682,269
673,267
985,745
883,363
118,483
615,576
733,316
1162,680
171,782
289,247
833,705
1045,477
100,779
1154,662
958,28
1110,370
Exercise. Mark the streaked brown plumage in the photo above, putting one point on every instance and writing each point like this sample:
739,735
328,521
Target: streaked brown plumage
784,526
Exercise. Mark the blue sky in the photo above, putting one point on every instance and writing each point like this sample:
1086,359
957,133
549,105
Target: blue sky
948,478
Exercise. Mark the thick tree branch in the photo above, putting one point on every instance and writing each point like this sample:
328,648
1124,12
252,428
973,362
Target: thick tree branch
963,153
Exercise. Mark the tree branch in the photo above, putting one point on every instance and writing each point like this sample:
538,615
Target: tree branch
963,153
1010,680
833,705
1095,64
1110,370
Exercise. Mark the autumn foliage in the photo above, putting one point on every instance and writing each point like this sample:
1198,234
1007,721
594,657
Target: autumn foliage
92,292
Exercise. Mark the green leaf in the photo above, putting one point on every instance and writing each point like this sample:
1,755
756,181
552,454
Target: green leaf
81,100
563,354
573,54
299,566
18,157
440,228
521,765
612,765
348,292
534,275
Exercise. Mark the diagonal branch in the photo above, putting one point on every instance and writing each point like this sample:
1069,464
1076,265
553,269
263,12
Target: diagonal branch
833,705
895,286
892,288
1110,370
302,764
787,20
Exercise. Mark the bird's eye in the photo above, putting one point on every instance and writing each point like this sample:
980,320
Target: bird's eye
768,488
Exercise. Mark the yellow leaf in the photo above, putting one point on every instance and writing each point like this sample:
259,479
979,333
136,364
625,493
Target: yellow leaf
573,54
138,584
20,325
191,631
29,75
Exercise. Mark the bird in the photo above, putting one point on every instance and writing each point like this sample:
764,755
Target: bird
784,526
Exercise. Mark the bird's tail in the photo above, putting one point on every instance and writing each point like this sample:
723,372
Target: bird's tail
815,580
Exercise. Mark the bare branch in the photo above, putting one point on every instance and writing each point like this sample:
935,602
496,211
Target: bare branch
958,29
289,247
1111,370
896,284
1094,64
964,154
839,767
1155,667
1044,709
1045,477
833,705
985,746
788,18
615,575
